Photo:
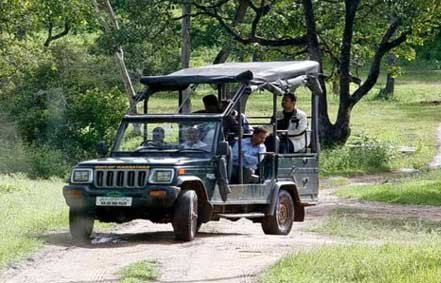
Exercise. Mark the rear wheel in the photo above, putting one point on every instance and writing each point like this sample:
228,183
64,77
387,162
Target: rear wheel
80,226
185,218
280,223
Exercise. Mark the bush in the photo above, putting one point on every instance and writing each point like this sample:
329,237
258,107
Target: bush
13,157
47,162
366,154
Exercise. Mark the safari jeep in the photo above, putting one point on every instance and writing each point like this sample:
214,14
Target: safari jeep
150,172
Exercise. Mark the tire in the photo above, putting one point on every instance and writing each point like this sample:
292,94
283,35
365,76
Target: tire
280,223
80,226
185,218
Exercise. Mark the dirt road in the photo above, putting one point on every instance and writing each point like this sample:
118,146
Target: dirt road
224,251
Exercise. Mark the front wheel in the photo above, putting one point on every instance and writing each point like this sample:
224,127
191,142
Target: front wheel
80,226
185,218
280,223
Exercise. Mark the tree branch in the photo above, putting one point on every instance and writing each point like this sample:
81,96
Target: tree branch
345,53
296,41
51,38
384,47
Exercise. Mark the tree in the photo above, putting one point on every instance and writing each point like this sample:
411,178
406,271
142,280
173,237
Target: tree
57,17
186,52
108,19
344,34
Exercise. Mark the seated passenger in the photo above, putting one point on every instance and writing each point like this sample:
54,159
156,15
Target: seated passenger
295,121
251,150
231,123
193,140
211,104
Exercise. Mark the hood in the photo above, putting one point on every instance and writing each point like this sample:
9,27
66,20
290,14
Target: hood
137,161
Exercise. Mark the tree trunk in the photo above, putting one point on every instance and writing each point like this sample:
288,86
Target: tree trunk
186,53
109,26
388,91
327,130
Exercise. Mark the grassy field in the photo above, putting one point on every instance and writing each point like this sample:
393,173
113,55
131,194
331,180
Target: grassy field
421,190
403,250
28,208
356,224
389,263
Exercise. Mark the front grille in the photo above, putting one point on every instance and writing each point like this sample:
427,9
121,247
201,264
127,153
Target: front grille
120,178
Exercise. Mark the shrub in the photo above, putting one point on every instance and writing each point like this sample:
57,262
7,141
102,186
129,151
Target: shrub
47,162
13,157
366,154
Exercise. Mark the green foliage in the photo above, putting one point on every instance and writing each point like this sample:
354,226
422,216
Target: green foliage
28,208
389,263
139,272
92,117
365,154
13,156
64,102
421,190
46,162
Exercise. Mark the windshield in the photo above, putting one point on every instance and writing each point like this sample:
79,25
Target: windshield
168,136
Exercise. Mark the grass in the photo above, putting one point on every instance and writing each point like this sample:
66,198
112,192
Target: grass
412,252
358,224
139,272
28,208
389,263
421,190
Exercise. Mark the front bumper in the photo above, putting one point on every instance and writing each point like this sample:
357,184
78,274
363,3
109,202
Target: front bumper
84,196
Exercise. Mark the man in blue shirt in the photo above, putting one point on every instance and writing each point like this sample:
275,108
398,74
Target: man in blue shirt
251,149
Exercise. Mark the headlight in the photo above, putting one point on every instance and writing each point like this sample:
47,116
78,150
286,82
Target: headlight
82,176
161,176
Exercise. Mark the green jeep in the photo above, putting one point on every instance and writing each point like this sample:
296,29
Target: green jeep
152,174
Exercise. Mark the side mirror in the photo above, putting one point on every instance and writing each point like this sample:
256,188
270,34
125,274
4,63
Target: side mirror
222,148
101,149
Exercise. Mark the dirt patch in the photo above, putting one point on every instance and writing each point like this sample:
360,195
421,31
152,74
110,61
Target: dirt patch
224,251
431,102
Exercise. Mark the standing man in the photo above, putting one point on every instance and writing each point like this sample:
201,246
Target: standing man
252,148
295,122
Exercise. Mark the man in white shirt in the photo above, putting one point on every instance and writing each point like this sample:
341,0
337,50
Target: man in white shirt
295,122
194,140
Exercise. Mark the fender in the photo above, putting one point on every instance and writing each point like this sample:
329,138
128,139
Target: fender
291,188
194,183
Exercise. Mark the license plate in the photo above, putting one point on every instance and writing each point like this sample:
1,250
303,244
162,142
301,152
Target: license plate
113,201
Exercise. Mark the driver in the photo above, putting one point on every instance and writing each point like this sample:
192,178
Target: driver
194,139
158,136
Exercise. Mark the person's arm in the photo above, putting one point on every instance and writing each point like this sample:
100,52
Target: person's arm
246,125
250,160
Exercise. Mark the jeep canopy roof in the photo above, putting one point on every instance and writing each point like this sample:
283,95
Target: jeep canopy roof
253,73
